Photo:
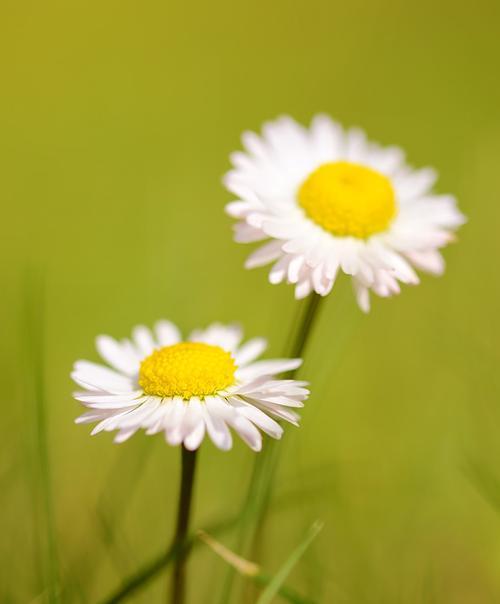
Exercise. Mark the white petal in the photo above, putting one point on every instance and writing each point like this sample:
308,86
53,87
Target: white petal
158,420
431,261
216,427
97,400
279,270
294,268
118,355
264,254
195,438
282,229
250,351
303,288
109,423
193,425
288,390
230,337
327,138
245,233
220,408
387,160
248,432
357,148
281,412
271,367
143,339
258,417
97,377
362,296
135,417
216,334
284,401
252,385
173,429
415,183
402,269
124,435
238,209
167,333
192,415
93,416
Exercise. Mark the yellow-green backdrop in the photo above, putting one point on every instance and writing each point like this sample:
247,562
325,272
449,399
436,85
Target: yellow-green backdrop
116,121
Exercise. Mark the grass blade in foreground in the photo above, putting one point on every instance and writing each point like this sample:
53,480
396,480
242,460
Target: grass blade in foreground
280,577
250,569
158,564
34,344
484,481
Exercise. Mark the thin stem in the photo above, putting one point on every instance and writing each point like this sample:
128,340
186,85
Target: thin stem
266,463
156,565
178,592
306,326
297,350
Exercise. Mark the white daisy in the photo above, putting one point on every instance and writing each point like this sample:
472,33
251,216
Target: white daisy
188,388
331,200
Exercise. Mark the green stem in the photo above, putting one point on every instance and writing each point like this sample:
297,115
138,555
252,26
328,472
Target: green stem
158,564
304,331
142,577
155,566
265,465
178,591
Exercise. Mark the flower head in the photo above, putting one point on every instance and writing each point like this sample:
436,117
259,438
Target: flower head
329,200
186,389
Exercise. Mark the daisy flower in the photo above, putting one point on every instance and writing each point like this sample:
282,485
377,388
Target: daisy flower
186,389
329,200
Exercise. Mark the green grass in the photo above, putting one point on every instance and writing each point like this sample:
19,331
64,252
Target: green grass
42,503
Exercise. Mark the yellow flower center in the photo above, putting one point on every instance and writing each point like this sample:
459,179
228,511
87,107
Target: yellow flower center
348,199
187,369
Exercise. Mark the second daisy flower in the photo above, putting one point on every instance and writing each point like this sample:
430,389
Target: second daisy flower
331,201
188,388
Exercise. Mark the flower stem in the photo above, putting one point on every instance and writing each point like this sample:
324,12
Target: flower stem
270,456
178,591
309,316
258,494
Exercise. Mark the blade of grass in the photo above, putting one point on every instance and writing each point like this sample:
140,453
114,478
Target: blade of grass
280,577
285,592
145,574
34,299
158,564
250,569
484,481
114,501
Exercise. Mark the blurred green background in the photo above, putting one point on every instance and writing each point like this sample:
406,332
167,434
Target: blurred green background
116,122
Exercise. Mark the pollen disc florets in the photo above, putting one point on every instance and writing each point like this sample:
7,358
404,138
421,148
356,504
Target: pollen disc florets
348,199
187,369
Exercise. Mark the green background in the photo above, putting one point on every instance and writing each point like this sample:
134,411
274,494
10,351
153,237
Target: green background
116,122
